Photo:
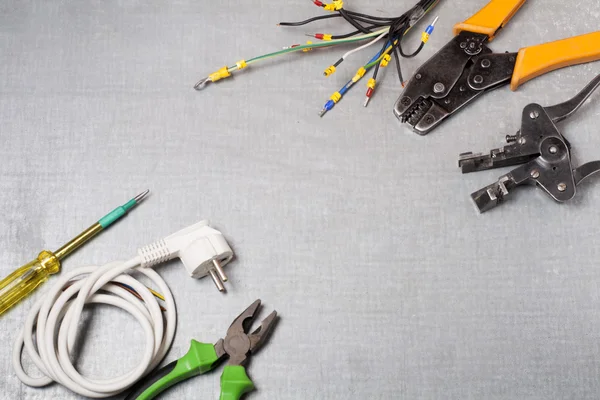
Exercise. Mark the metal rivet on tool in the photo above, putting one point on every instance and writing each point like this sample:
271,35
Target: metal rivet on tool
447,101
405,101
553,149
485,63
463,45
418,76
439,87
562,187
472,45
535,174
534,114
429,119
462,88
521,140
478,79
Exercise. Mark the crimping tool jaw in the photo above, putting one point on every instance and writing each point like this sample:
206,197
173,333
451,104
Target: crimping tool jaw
490,196
541,149
459,73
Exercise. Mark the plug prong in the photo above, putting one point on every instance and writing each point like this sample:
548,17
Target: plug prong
216,280
220,271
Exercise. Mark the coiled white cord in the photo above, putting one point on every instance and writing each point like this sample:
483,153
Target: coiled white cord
51,353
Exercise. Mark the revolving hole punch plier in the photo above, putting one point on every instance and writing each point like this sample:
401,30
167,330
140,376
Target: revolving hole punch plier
466,68
203,357
543,151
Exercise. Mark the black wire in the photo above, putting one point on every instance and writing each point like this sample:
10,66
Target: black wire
399,47
376,70
397,58
308,21
358,26
353,13
347,35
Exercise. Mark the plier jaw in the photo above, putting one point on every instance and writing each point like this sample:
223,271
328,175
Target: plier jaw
238,344
203,357
542,150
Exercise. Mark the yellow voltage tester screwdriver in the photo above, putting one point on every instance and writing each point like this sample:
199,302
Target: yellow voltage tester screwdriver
24,280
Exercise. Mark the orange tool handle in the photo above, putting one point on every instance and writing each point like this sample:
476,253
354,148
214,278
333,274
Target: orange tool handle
491,18
537,60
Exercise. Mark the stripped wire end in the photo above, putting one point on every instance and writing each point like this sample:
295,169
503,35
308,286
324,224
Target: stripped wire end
322,36
327,107
218,75
201,84
337,96
429,30
370,90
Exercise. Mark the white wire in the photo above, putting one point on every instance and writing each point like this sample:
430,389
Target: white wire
364,46
54,319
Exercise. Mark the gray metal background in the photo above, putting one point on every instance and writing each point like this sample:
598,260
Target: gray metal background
360,233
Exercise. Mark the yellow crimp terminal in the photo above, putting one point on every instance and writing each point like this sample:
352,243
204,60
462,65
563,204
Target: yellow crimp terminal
241,64
385,60
326,37
329,71
371,84
308,48
335,6
424,37
335,97
220,74
359,74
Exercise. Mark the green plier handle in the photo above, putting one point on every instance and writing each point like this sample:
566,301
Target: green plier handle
200,358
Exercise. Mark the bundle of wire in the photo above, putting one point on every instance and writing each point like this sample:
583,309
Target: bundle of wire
387,30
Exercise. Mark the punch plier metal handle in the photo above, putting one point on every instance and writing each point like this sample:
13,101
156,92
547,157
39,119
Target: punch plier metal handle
543,151
204,357
466,67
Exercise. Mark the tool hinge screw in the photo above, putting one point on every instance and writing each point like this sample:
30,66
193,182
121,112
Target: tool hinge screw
562,187
534,114
439,87
535,174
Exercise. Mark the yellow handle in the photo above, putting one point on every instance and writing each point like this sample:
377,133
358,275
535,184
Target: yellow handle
490,18
24,280
537,60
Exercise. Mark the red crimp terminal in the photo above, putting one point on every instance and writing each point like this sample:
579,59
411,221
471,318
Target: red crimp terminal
319,35
318,3
369,92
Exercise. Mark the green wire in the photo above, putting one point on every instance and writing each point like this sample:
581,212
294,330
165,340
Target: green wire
309,46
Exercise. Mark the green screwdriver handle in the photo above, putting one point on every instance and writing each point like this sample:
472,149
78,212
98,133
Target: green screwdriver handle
235,383
200,358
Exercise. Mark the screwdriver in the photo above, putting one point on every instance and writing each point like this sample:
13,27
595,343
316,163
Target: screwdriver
26,279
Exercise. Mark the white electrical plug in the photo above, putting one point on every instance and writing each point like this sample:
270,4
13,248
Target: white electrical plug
202,249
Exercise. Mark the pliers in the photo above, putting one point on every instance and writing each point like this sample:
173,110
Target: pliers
203,357
543,150
466,68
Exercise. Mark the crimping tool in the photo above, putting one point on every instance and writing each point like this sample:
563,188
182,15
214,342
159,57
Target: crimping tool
203,357
542,149
466,68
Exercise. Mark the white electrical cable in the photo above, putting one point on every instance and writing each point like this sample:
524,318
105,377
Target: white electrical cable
52,350
54,318
364,46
